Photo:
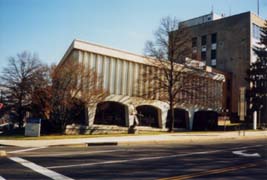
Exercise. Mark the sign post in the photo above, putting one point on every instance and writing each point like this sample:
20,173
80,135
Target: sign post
33,127
255,120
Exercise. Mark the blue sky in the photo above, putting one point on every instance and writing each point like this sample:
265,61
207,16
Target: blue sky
47,27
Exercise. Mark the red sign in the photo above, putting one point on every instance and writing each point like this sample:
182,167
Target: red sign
1,105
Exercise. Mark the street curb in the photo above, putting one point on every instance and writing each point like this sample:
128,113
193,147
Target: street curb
155,142
135,140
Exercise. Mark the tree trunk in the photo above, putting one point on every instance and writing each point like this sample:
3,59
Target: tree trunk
20,113
20,119
171,118
171,94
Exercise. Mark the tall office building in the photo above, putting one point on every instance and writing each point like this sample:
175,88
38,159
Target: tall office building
226,43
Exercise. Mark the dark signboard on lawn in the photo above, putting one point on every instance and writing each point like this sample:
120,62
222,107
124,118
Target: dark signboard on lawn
33,127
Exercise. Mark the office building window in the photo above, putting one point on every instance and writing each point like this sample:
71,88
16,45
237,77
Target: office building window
214,38
228,103
213,57
229,85
203,56
213,62
256,30
213,46
213,54
203,40
194,42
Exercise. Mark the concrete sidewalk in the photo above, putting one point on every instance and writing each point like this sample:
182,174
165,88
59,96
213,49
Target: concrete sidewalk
135,139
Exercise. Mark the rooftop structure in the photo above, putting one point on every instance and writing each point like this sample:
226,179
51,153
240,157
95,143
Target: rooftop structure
200,20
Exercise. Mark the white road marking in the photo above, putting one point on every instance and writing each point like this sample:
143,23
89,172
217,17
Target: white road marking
70,153
42,170
25,150
148,158
241,153
131,160
1,178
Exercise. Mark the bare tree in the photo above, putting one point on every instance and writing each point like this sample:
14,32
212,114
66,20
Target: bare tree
60,93
169,81
41,102
74,89
22,76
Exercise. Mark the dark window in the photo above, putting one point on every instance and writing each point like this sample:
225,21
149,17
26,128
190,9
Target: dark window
228,103
194,42
229,85
203,55
213,54
203,40
110,113
150,116
214,38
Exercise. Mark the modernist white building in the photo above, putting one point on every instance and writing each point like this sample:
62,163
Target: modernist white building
121,74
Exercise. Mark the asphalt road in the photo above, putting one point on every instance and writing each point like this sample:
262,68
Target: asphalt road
233,159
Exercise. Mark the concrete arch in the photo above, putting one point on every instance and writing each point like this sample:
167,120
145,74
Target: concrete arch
160,105
149,115
111,113
205,120
181,118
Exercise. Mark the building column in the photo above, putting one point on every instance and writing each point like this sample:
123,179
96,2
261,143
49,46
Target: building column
91,111
191,113
129,115
164,114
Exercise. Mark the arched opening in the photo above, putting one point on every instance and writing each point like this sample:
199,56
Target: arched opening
205,120
181,118
148,116
111,113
